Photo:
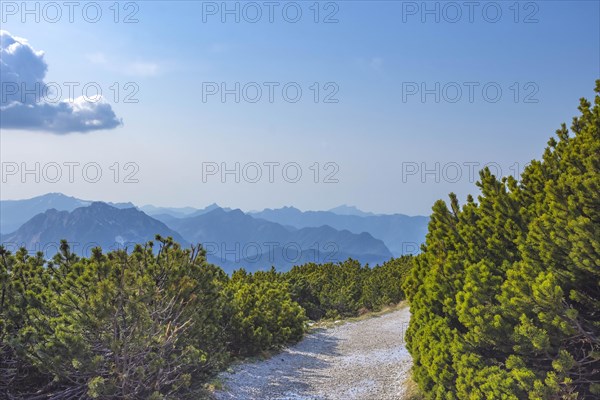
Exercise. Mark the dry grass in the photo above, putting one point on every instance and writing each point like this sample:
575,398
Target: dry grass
412,391
328,323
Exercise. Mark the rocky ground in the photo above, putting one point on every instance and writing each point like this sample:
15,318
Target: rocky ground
365,359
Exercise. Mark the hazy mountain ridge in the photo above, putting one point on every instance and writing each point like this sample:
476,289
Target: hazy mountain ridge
345,209
178,212
234,239
282,237
14,213
98,224
401,233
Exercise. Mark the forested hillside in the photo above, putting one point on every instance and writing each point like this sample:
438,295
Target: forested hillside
505,297
158,324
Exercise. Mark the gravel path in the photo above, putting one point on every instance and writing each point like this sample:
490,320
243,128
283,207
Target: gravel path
357,360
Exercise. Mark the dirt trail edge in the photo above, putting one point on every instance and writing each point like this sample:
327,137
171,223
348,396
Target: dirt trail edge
357,360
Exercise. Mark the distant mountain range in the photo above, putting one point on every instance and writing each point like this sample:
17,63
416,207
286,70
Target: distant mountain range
233,239
282,237
402,234
181,212
98,224
350,210
14,213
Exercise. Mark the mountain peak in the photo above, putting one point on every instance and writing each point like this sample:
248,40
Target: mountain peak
55,194
345,209
99,224
284,208
100,204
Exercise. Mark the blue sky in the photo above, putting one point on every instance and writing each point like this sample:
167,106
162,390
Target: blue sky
370,141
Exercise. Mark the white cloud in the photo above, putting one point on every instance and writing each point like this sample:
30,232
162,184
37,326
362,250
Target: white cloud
141,69
22,70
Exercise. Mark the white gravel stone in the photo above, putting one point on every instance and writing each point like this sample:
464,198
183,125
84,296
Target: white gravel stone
358,360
